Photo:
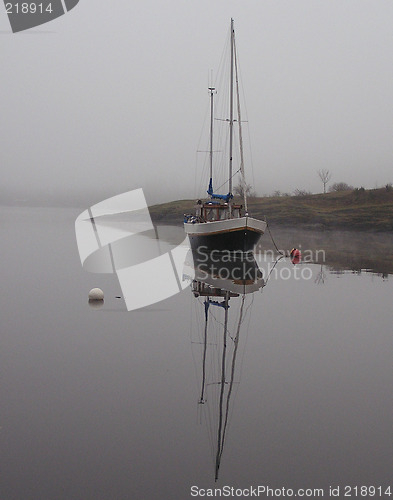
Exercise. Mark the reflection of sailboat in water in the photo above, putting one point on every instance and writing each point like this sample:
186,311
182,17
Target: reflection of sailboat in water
236,272
224,312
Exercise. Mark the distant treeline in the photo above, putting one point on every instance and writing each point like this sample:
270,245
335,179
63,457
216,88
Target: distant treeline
356,209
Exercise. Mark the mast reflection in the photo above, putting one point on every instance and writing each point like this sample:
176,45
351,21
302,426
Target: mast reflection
223,287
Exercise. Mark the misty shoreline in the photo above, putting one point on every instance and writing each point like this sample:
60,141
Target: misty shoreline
341,249
357,210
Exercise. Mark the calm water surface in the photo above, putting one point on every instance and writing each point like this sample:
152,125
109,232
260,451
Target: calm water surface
106,404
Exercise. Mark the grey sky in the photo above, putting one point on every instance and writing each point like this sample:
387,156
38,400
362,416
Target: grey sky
112,96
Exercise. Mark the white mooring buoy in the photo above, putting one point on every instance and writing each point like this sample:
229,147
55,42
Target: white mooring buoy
96,294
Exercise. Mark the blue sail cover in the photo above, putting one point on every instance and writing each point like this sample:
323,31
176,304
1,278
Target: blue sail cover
225,197
219,304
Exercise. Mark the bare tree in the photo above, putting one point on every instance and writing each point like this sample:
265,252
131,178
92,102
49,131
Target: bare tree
301,192
340,186
239,191
325,177
321,277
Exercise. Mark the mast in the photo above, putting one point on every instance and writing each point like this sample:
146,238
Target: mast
211,89
239,120
231,111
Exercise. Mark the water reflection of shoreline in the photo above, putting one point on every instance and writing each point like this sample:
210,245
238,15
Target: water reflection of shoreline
338,250
343,250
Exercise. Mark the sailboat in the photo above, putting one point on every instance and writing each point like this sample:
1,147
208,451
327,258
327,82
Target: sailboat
219,223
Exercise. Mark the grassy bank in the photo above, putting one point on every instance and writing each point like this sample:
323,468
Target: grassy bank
360,210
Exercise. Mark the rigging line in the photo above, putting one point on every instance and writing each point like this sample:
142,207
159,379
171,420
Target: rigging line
249,306
203,125
232,375
220,323
248,309
194,320
274,243
275,264
197,189
203,387
221,165
223,58
219,438
208,418
240,130
248,128
221,103
195,175
226,182
251,157
242,354
241,317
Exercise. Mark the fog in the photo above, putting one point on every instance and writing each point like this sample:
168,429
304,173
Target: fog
113,95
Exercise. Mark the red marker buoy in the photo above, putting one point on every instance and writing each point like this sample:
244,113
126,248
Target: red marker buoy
295,256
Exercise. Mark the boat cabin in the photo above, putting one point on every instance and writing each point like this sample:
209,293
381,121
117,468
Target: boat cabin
210,211
201,289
